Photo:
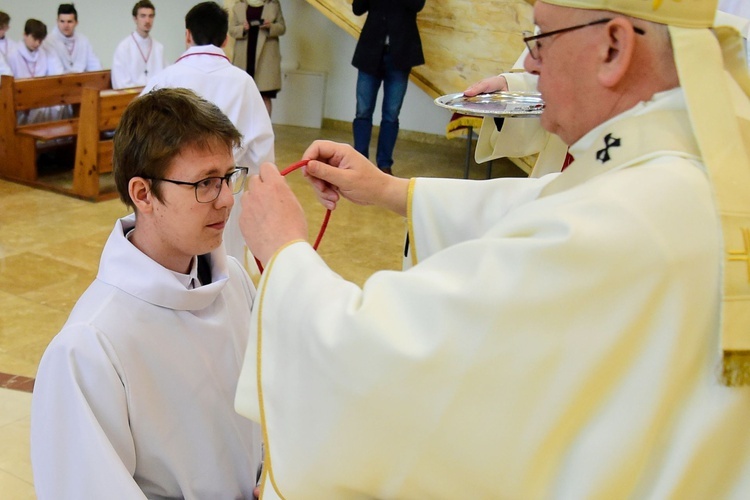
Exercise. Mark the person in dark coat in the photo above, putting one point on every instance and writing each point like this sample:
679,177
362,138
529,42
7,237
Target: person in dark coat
388,48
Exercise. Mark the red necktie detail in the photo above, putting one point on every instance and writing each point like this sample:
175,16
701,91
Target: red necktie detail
568,160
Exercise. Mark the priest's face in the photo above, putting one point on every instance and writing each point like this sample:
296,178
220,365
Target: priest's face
566,65
184,227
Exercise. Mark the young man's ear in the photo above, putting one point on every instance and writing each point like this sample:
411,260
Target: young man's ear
188,38
140,193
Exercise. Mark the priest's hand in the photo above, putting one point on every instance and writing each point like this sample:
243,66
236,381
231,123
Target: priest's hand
337,170
271,215
491,84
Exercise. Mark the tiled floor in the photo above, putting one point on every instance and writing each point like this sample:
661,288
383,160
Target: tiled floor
49,253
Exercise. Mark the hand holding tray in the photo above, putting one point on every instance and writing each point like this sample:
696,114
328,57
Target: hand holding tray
500,104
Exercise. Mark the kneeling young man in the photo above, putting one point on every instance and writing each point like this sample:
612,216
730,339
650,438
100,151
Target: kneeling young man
134,397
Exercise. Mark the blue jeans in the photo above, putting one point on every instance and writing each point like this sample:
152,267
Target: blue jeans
394,88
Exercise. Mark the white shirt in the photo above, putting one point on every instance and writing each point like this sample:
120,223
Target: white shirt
136,59
7,46
75,52
133,398
4,68
207,71
563,346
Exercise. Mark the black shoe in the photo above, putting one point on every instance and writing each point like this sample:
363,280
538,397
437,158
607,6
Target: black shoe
387,170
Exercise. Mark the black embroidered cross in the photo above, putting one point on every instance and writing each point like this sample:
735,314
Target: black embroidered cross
609,142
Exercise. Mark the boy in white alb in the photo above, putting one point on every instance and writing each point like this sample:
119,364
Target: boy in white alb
205,69
133,398
73,49
138,56
29,60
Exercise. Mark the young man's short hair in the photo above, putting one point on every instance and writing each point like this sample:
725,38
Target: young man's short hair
157,126
67,8
35,28
4,20
143,4
208,23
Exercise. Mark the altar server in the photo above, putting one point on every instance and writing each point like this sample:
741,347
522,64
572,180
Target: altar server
133,398
73,49
579,335
138,56
205,69
31,60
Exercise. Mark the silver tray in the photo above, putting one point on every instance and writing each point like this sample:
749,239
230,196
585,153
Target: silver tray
506,104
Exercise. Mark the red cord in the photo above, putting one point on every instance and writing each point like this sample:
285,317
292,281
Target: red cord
291,168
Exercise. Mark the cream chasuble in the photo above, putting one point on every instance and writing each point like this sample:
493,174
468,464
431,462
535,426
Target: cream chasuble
556,338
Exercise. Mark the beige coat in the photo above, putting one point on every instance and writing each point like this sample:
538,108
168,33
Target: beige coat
267,53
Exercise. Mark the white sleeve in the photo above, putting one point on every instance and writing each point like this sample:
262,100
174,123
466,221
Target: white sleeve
4,67
120,70
54,64
92,62
81,445
258,138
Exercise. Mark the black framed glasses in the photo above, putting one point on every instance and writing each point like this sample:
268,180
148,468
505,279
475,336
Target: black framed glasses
208,189
532,40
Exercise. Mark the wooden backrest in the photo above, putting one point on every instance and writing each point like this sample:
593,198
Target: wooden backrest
101,111
29,93
112,104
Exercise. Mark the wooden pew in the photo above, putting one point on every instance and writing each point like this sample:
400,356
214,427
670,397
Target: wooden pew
18,143
100,113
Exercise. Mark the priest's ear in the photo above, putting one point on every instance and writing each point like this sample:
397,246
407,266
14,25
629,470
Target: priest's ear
616,51
139,190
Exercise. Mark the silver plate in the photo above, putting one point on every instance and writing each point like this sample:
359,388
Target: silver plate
506,104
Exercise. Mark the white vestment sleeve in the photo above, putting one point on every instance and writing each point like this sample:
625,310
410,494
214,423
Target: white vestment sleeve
92,61
86,450
120,69
514,358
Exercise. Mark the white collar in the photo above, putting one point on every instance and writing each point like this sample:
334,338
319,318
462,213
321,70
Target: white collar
65,39
151,281
672,99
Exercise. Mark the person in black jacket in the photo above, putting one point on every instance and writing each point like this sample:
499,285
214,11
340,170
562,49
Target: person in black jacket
388,48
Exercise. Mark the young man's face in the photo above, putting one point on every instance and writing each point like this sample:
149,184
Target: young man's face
31,43
3,31
67,23
184,227
144,21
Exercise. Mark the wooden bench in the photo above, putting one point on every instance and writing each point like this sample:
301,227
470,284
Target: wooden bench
100,113
18,143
